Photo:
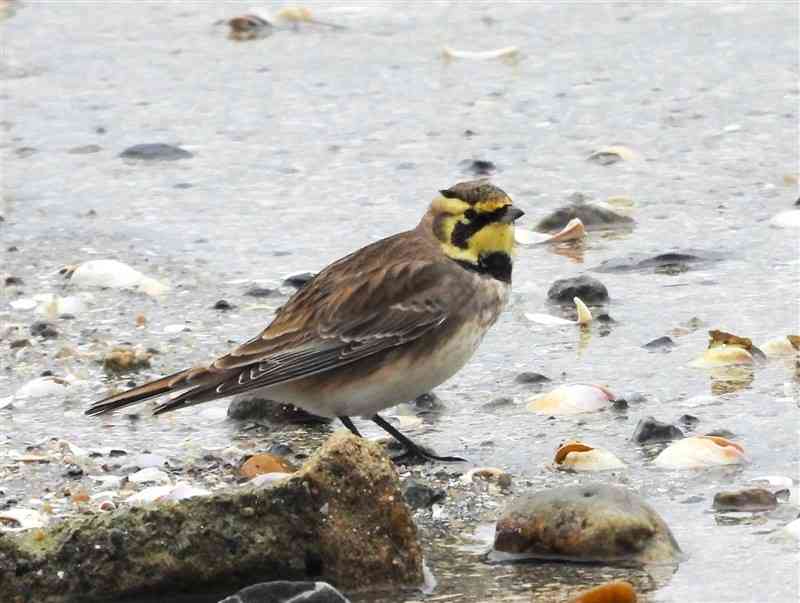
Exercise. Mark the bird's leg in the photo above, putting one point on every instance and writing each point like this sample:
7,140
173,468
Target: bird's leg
349,424
412,449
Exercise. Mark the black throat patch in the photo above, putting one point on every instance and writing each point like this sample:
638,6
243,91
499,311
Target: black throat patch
496,264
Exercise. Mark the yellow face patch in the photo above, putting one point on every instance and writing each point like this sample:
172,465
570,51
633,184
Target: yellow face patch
492,237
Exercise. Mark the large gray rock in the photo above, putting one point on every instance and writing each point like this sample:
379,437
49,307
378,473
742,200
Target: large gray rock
341,519
590,523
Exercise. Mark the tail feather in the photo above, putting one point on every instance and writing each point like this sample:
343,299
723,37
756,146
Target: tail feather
171,383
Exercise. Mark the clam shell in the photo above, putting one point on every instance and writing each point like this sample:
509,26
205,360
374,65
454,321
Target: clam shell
571,400
723,355
577,456
701,451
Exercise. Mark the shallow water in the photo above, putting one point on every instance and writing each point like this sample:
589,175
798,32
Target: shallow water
311,143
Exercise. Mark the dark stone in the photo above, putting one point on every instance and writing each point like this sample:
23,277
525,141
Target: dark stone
13,281
501,402
429,402
73,471
85,149
155,152
664,344
750,499
260,292
619,405
298,280
288,592
44,329
797,203
588,288
257,409
531,378
470,133
586,523
23,152
592,216
223,306
19,343
420,495
477,167
689,421
650,430
639,262
722,433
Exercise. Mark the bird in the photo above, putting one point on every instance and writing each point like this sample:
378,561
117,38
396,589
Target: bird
378,327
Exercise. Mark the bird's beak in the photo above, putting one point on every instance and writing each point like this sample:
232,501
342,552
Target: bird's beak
512,215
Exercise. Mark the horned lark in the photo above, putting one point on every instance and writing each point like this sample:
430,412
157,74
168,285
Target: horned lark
380,326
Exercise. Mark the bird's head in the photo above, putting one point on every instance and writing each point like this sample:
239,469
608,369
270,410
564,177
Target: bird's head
474,223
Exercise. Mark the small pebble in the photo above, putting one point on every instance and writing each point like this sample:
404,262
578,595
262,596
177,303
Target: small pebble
44,330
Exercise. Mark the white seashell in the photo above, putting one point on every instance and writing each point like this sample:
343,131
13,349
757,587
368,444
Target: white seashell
523,236
572,231
150,475
575,456
182,491
548,320
584,315
786,219
53,306
149,495
722,355
108,481
17,519
24,303
115,274
6,402
614,150
172,329
485,55
267,479
700,451
778,347
571,400
41,387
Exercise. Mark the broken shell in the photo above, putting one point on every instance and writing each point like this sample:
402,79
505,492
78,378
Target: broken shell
17,519
577,456
584,315
489,474
701,451
548,320
485,55
53,306
571,400
182,491
572,231
25,303
612,154
115,274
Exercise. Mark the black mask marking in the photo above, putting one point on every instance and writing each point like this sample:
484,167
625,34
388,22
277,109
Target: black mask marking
463,232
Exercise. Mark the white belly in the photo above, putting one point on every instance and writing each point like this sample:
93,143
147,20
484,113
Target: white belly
401,381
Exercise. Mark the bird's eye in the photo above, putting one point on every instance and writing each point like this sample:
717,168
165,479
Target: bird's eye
470,214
